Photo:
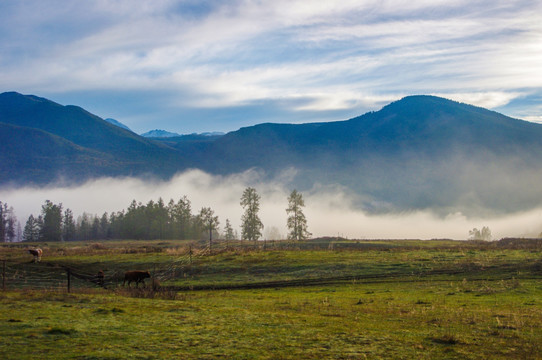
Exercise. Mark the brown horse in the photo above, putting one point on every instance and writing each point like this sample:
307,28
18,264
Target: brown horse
37,254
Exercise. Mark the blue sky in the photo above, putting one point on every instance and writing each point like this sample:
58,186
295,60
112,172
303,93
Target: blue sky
195,66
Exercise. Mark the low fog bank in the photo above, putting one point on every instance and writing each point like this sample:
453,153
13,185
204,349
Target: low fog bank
330,211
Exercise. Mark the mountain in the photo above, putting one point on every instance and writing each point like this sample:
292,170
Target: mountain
117,123
421,152
52,141
159,134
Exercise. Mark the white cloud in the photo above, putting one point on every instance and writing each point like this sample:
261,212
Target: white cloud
332,55
483,99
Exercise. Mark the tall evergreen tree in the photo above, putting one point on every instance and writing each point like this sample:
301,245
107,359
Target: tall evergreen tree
68,226
19,236
159,220
31,229
297,223
83,226
95,228
52,222
180,214
251,224
11,225
4,211
104,227
229,234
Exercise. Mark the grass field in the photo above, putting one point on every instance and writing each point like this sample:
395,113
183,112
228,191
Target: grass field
353,300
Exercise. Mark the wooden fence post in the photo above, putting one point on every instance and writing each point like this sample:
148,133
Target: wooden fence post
68,273
4,275
153,283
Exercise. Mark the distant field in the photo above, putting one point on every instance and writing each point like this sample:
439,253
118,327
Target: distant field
331,298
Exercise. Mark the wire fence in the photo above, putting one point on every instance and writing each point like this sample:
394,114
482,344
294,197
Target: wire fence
46,275
19,272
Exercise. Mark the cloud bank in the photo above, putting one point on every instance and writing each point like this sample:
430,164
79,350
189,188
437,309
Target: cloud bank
329,211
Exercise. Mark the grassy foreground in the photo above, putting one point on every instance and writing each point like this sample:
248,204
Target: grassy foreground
490,307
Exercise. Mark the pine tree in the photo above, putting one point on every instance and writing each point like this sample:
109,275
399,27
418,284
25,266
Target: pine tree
297,223
68,226
180,214
105,232
11,231
3,221
230,235
52,222
8,223
251,224
31,229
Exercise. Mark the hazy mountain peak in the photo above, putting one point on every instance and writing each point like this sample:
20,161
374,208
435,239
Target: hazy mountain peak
117,123
157,133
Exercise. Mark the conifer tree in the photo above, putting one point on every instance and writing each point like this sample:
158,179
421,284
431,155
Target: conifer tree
229,234
52,222
297,223
68,226
251,226
31,229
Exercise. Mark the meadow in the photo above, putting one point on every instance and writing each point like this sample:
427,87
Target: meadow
330,299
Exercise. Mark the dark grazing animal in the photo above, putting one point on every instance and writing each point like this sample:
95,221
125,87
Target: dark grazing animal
99,278
37,254
137,276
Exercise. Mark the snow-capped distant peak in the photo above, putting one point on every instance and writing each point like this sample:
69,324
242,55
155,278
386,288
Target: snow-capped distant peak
159,134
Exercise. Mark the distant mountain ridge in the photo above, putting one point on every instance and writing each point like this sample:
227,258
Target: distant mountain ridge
416,153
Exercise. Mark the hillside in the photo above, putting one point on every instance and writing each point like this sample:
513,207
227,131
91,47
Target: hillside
114,151
421,152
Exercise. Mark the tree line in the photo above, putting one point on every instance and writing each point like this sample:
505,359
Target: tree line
153,220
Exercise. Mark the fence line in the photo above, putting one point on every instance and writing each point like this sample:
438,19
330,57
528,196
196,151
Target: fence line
20,273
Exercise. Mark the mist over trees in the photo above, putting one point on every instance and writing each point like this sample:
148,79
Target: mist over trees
484,234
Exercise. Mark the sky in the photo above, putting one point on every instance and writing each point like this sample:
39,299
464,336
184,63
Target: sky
198,66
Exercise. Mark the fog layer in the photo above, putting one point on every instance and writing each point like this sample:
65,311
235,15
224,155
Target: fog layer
329,211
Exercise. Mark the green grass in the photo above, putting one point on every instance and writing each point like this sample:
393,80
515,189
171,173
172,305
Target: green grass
399,320
445,301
